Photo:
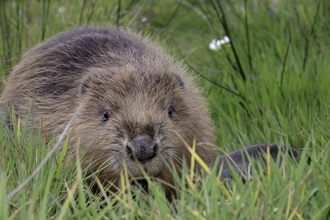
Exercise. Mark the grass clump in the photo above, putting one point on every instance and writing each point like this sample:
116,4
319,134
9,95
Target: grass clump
269,84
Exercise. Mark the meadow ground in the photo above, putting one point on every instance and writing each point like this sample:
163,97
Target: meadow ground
268,85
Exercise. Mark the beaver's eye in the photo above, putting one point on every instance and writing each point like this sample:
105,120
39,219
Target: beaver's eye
105,116
170,112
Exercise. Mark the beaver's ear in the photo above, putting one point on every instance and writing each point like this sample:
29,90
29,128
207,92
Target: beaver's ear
85,84
93,78
179,80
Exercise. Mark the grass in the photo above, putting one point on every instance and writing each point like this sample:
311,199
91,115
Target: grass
269,85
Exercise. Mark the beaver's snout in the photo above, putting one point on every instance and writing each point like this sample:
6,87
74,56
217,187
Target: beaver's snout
142,148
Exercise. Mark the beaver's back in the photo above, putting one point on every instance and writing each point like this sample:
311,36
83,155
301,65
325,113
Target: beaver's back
56,67
50,75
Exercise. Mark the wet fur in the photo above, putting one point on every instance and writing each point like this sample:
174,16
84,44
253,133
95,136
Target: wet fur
133,78
126,74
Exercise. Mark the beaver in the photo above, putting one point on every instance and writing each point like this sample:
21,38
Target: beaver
138,103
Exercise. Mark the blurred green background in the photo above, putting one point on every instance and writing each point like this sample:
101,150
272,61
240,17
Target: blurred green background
269,84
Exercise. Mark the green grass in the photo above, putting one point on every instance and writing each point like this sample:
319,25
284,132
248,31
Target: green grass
269,85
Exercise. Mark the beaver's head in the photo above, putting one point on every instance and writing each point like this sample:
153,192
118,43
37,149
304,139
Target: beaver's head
136,118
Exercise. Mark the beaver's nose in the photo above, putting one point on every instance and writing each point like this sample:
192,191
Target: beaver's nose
142,148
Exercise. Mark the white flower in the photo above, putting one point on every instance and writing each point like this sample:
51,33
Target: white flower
216,44
226,39
213,45
61,9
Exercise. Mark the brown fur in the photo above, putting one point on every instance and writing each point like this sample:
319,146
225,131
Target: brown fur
132,78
